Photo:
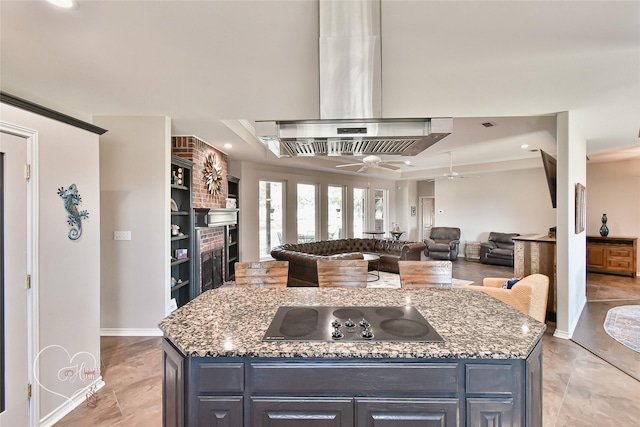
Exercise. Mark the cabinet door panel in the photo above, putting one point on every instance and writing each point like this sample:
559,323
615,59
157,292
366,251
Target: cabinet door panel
172,387
301,412
407,412
595,256
486,412
219,411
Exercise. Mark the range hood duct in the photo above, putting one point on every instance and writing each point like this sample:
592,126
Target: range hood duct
350,95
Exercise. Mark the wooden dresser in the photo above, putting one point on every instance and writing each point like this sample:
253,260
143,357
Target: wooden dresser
612,255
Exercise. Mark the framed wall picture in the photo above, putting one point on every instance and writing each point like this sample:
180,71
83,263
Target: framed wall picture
581,212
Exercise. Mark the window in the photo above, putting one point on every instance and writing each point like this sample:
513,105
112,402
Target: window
306,213
359,211
381,209
335,212
270,205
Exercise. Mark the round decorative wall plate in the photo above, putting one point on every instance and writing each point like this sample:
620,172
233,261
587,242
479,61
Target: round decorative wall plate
212,174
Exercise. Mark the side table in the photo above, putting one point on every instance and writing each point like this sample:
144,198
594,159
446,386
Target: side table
472,251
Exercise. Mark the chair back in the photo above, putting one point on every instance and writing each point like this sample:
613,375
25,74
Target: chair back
444,234
342,273
529,295
265,274
420,274
539,284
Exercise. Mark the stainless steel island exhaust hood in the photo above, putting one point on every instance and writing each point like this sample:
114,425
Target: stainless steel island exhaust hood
350,95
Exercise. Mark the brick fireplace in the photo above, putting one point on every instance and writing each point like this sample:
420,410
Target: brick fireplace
210,239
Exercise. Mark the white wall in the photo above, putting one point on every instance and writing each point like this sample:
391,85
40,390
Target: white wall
68,271
134,165
614,188
508,202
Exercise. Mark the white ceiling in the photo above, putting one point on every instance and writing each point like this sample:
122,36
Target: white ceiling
215,67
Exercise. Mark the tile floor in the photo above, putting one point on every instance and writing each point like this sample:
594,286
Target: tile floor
579,388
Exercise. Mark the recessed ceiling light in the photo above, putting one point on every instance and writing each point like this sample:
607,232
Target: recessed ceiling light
407,162
524,146
228,145
488,124
66,4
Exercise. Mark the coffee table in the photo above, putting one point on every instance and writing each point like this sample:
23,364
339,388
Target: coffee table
374,263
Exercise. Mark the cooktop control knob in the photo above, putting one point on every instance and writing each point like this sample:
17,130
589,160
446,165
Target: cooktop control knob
349,323
336,324
337,334
367,334
364,323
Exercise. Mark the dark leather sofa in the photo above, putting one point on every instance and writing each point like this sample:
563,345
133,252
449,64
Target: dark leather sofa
498,250
302,257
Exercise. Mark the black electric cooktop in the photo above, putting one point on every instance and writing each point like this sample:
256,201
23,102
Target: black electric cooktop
320,323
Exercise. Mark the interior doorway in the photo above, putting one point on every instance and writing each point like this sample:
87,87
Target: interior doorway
15,323
427,216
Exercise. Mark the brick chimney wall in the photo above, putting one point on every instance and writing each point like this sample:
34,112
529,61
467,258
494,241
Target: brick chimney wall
196,150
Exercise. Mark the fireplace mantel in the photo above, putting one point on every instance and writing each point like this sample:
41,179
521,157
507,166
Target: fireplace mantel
216,217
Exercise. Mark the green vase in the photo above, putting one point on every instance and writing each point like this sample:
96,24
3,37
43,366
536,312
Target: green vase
604,230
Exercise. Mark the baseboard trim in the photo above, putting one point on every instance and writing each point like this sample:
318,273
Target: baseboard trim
76,400
572,328
130,332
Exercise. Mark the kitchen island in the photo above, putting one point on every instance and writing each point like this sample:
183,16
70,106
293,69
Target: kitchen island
218,371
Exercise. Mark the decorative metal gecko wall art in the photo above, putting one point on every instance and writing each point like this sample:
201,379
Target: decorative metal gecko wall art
72,199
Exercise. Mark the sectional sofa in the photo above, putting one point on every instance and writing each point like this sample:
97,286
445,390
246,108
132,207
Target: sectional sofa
302,257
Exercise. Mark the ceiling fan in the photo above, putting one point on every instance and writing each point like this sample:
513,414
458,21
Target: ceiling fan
375,162
451,174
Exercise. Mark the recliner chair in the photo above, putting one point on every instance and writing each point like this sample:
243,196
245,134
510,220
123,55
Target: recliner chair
498,250
443,243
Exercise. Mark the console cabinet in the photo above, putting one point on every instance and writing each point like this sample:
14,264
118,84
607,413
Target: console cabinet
612,255
354,393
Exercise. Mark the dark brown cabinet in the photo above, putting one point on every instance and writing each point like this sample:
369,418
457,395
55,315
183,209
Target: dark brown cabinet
354,393
232,251
182,231
172,387
612,255
308,412
407,412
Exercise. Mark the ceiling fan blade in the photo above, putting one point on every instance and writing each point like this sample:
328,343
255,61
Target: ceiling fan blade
398,162
388,166
348,165
363,168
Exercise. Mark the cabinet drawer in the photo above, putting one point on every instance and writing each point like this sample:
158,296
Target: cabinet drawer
490,379
355,378
312,412
624,263
620,252
218,377
407,412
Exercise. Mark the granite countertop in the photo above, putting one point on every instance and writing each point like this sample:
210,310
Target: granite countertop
231,321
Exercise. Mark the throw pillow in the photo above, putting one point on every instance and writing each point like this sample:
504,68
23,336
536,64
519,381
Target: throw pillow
510,282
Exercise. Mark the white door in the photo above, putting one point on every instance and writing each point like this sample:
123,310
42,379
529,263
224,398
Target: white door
427,205
13,150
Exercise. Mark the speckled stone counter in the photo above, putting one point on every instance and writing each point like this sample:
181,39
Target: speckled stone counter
231,321
217,370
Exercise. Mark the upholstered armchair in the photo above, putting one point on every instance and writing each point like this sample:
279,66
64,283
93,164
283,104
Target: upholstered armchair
498,250
529,295
443,243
